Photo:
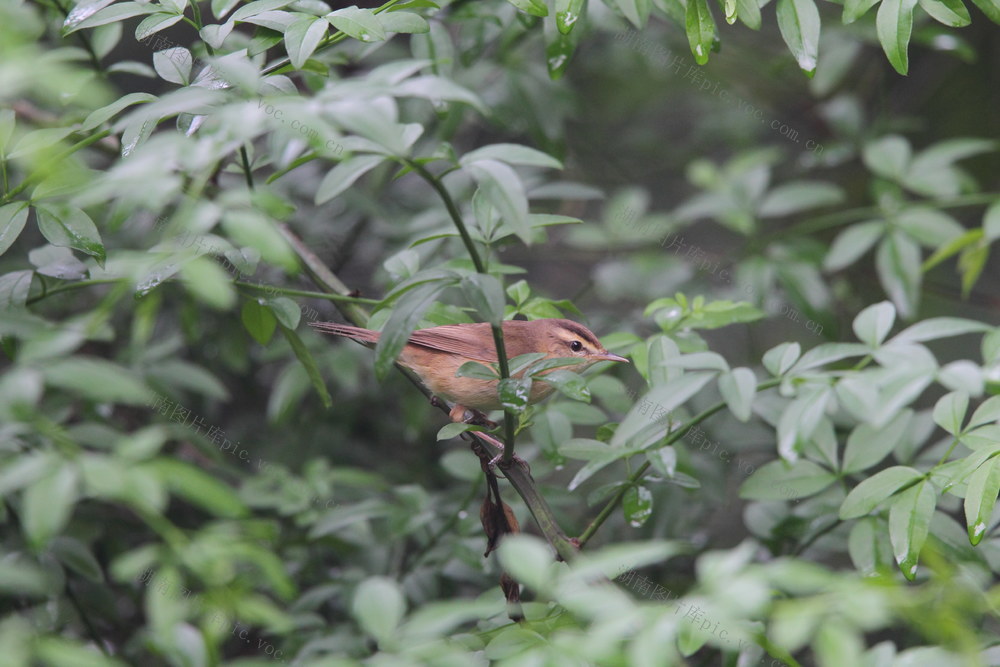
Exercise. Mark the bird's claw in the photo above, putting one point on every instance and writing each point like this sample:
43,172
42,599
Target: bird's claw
516,459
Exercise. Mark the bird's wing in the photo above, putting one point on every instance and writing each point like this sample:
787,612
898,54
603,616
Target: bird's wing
455,338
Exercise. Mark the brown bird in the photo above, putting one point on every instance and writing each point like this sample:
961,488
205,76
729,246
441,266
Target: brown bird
435,355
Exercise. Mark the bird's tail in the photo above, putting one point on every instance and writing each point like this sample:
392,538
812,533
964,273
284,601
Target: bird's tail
347,331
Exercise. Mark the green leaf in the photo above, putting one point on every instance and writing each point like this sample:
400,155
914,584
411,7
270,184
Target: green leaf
936,328
69,227
99,380
14,288
798,21
852,243
307,361
255,230
559,51
928,226
34,143
286,310
870,493
25,578
855,9
981,497
569,384
988,412
302,37
199,487
48,504
514,393
404,22
343,176
637,503
449,431
532,7
437,88
222,7
636,11
898,265
949,411
749,13
868,445
778,480
12,219
209,283
888,156
502,187
909,523
474,369
873,324
485,293
893,23
949,12
779,359
722,313
989,7
991,222
568,13
379,606
259,321
799,196
83,15
865,546
174,65
154,23
512,154
108,112
971,263
258,7
361,24
700,28
738,388
828,353
527,559
638,423
972,237
75,555
405,316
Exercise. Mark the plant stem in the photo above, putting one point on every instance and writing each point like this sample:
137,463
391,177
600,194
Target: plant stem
510,427
453,212
314,295
338,36
43,169
246,166
842,217
635,477
80,284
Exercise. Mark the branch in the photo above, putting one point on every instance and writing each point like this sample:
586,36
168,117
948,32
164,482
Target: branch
510,428
637,476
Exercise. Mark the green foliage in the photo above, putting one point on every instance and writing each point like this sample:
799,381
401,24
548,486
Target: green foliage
191,476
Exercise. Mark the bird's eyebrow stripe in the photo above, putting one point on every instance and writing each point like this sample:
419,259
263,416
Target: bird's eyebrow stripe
581,332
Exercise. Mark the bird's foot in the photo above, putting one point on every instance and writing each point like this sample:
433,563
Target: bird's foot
517,459
464,415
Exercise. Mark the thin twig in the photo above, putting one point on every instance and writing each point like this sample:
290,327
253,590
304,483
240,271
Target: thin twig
510,428
637,476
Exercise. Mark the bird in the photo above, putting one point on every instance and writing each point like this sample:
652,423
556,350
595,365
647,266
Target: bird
435,355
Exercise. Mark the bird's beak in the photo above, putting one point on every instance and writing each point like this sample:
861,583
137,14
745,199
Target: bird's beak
607,356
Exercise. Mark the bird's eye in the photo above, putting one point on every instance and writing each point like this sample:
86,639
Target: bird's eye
576,346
